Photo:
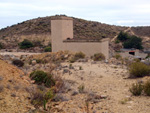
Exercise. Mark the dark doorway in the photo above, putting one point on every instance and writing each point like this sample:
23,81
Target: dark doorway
132,53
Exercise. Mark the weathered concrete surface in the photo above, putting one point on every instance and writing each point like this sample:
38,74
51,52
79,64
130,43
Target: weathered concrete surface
62,29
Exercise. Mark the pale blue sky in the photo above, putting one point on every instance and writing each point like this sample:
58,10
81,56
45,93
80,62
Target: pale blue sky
114,12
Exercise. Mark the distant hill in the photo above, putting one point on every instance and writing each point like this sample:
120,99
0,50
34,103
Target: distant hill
39,30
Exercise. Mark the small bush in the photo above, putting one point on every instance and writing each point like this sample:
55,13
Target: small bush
125,100
42,77
49,95
72,60
80,68
49,81
61,86
48,49
81,88
117,56
38,76
41,61
136,89
79,55
147,88
18,62
98,57
138,69
25,44
37,99
40,98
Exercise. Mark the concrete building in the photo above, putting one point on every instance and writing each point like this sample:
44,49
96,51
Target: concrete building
62,39
134,53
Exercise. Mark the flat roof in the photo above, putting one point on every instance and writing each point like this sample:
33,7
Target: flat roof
61,18
86,40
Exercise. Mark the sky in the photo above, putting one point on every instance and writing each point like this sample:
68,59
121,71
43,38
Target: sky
114,12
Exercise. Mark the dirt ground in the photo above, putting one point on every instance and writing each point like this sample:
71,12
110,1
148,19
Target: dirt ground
106,80
94,87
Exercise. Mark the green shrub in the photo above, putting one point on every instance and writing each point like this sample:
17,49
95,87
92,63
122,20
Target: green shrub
41,61
79,55
25,44
48,49
136,89
80,68
40,98
81,88
42,77
49,81
18,62
130,41
38,76
72,60
147,88
37,99
138,69
98,57
49,95
125,100
117,56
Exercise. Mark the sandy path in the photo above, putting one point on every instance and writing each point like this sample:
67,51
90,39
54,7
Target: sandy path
17,53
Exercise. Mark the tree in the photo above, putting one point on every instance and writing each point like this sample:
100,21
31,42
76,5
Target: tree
123,36
133,42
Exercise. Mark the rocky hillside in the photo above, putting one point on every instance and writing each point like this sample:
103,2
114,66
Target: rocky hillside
39,30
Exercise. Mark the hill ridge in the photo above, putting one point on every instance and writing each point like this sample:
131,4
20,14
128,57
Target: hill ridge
39,29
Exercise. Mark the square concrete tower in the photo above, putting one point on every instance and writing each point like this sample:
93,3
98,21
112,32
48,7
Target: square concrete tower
61,29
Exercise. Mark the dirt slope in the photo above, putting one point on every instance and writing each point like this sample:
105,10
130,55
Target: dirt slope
13,94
